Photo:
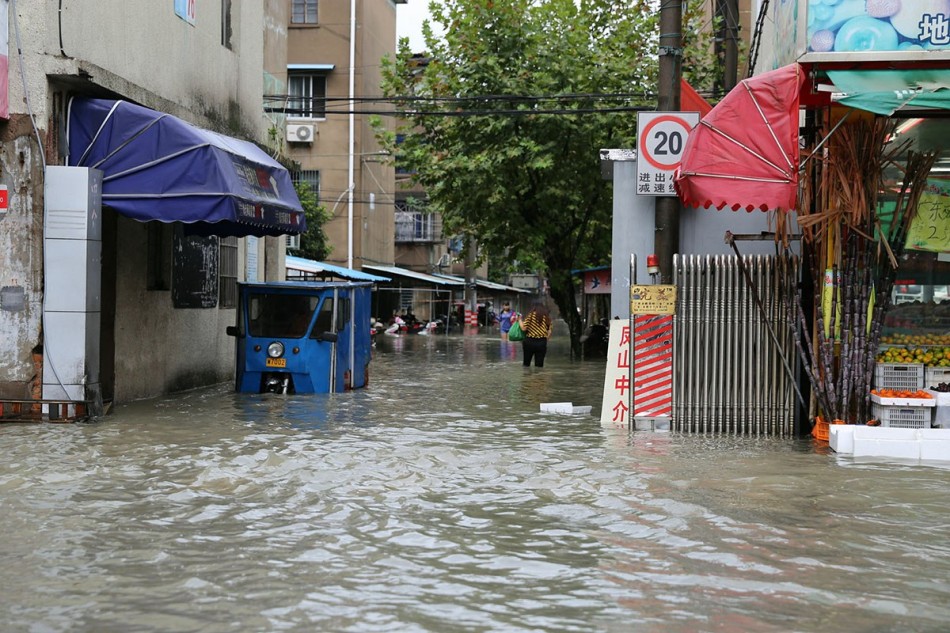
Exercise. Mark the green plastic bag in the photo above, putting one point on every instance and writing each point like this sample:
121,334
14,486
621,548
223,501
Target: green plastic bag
516,333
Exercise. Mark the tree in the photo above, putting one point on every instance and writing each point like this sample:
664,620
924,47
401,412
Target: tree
505,117
314,243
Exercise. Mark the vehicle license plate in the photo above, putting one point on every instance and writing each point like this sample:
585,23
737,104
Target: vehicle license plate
275,362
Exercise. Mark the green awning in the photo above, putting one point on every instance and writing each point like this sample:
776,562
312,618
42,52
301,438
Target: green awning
887,91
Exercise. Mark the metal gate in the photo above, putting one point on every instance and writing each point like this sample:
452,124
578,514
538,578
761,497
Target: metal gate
729,375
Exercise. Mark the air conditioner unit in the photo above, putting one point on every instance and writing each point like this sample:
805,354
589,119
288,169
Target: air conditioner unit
293,241
301,133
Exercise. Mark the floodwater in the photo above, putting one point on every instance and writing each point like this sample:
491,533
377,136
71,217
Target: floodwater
440,499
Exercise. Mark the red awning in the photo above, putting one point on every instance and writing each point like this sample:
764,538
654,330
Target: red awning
692,101
744,154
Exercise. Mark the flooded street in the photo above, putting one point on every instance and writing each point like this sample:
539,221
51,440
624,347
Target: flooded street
440,499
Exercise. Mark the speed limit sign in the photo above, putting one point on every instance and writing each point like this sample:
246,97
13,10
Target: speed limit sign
661,137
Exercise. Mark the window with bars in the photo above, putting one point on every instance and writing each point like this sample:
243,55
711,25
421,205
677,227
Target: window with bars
227,272
309,176
304,12
226,29
308,95
414,224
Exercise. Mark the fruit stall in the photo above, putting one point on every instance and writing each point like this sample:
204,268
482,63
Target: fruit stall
912,380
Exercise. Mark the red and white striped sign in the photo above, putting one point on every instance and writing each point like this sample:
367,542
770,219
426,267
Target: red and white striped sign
652,365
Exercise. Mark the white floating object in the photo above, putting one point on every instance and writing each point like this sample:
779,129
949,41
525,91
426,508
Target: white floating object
896,443
565,408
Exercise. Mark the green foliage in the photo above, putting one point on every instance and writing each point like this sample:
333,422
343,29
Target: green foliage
701,66
526,183
314,243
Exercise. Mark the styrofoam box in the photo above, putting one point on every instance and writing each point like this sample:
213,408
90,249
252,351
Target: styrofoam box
841,438
897,449
876,441
933,376
565,408
942,412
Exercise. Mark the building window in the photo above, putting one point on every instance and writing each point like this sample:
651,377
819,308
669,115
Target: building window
227,272
309,176
226,24
304,12
414,224
308,96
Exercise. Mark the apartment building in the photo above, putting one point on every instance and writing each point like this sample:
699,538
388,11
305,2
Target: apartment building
332,76
109,290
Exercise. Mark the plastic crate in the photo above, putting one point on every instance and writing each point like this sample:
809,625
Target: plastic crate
902,417
936,375
903,402
820,430
906,376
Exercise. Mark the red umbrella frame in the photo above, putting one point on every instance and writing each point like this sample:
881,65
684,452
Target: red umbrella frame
745,152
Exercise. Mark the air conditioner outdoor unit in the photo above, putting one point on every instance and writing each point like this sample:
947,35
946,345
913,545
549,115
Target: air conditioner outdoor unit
293,241
301,133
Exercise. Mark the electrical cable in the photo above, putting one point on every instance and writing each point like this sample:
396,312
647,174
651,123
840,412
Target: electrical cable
47,359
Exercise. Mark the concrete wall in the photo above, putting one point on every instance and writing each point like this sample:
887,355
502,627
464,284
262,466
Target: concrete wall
21,265
145,44
156,345
139,50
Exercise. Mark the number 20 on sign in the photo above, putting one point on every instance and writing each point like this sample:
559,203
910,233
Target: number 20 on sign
661,137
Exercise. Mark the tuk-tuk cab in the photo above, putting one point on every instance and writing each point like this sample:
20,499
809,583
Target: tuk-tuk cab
302,337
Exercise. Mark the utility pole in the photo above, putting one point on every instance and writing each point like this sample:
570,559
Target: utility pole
471,296
730,43
667,223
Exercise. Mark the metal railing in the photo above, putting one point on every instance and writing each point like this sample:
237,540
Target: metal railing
729,375
417,227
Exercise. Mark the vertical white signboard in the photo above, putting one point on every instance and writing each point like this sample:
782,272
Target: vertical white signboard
615,411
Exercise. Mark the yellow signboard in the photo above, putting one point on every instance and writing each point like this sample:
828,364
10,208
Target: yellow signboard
930,229
652,299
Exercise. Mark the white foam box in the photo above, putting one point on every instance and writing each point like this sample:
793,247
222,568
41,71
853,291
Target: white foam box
942,412
880,441
935,444
564,408
896,449
841,438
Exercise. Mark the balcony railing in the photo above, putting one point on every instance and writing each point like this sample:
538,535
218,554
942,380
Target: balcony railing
418,227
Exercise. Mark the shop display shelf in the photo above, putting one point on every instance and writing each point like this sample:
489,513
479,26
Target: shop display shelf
907,376
902,417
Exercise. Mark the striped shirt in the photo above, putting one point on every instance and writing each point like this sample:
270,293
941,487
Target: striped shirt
535,325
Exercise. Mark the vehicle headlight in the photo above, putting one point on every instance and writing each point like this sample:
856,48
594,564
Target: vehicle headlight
275,349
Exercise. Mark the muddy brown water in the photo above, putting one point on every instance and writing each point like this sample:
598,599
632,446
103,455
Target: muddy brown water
440,499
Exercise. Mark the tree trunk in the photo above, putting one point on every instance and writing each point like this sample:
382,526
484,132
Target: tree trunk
562,291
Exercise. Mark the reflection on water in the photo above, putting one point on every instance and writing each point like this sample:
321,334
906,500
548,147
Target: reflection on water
440,499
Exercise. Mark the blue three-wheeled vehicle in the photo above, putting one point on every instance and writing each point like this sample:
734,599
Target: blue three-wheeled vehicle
302,337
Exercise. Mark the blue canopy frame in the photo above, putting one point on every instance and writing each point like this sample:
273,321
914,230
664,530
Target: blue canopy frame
159,167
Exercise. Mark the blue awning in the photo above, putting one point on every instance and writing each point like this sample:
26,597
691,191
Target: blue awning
312,267
159,167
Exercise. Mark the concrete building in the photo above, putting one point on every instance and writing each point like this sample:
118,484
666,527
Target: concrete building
153,299
332,75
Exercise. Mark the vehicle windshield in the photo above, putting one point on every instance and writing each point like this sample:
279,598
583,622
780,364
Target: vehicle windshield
280,315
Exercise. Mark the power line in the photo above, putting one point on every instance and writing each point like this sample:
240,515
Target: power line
463,113
485,98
